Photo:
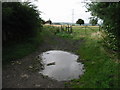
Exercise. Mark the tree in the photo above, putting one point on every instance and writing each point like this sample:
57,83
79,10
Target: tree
109,13
42,21
80,21
93,21
20,21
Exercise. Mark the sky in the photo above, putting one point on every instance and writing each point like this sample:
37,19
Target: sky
62,10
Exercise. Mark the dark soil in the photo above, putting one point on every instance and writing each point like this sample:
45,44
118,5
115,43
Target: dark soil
23,73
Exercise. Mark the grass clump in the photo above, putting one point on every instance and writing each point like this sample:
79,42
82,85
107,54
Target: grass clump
100,66
64,35
100,69
18,50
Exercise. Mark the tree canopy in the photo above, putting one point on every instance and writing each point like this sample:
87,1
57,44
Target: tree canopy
109,13
80,21
93,21
19,20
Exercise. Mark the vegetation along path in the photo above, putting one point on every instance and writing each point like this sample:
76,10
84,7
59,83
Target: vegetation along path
23,73
25,35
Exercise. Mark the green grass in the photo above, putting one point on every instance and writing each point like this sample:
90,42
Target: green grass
19,50
100,69
100,66
64,35
15,51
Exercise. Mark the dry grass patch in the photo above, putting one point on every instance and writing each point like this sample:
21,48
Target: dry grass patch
97,35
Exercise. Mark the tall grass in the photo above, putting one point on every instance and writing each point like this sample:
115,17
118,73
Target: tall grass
100,66
15,51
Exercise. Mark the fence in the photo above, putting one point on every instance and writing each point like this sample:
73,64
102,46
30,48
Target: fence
64,28
72,29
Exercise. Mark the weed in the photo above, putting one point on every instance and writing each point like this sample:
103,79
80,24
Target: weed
100,68
19,50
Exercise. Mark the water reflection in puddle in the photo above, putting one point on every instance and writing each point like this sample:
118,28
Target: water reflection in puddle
61,65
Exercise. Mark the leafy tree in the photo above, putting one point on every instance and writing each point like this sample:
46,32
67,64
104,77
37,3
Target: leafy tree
93,21
20,21
42,21
80,21
109,13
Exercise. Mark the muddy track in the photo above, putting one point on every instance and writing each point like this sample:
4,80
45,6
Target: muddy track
23,73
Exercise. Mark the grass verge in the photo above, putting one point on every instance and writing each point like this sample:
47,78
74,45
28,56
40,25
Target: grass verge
19,50
101,67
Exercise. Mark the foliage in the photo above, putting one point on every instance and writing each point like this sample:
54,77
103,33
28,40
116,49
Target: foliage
19,50
100,66
20,21
109,13
110,41
100,69
42,21
93,21
21,28
80,21
64,35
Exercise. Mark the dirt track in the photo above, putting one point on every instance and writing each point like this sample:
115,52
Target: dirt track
21,73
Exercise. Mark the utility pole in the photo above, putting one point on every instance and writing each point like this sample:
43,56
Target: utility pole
72,16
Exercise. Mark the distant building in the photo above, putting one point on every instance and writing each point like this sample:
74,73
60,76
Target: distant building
49,22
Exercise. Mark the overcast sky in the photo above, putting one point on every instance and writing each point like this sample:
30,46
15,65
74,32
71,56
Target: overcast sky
61,10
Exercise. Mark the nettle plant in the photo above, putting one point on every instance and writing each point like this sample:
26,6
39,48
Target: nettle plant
110,41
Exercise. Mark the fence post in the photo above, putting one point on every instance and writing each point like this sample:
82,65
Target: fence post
99,27
65,28
85,29
61,29
68,28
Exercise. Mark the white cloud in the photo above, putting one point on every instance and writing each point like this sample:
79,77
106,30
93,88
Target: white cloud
61,10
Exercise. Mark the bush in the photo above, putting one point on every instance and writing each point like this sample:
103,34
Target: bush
109,14
20,21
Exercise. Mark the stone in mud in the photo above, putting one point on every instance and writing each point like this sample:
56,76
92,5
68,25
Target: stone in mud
24,76
53,63
30,67
37,85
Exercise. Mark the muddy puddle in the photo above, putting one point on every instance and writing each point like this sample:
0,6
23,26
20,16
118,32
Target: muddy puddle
61,65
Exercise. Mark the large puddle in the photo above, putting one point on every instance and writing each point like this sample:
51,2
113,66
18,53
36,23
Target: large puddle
61,65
